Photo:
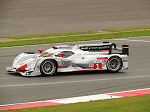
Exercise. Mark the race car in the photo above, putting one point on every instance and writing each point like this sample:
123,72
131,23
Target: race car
70,58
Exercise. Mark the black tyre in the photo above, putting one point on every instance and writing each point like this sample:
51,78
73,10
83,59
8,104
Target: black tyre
114,64
48,67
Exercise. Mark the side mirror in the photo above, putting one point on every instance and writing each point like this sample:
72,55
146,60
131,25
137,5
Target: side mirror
40,50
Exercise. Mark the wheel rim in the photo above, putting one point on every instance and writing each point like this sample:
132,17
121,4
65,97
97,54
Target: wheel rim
114,64
48,67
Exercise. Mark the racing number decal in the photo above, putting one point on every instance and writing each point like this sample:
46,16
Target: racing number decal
97,65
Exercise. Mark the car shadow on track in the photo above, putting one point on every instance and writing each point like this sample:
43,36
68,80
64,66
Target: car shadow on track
77,73
102,72
14,74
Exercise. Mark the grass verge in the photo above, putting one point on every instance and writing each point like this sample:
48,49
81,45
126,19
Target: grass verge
128,29
127,104
75,36
47,35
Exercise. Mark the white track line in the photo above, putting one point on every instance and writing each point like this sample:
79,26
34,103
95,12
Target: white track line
84,98
69,82
91,97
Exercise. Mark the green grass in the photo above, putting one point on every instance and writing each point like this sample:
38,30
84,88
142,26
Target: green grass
127,29
70,33
127,104
47,35
75,38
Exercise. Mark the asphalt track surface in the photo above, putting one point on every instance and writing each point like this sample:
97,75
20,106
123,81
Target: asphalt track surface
46,16
17,89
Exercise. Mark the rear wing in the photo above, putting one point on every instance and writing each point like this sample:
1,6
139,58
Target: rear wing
124,50
105,46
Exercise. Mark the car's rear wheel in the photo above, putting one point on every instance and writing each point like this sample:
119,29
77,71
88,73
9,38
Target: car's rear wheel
114,64
48,67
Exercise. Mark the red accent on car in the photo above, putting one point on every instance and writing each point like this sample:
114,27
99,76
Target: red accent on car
40,50
22,68
55,47
97,65
80,70
98,58
61,54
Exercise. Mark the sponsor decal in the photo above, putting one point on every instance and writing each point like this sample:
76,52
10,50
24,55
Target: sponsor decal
101,60
97,65
96,48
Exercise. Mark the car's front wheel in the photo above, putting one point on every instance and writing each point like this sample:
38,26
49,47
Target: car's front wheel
114,64
48,67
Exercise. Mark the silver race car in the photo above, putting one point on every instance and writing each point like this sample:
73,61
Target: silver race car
69,58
